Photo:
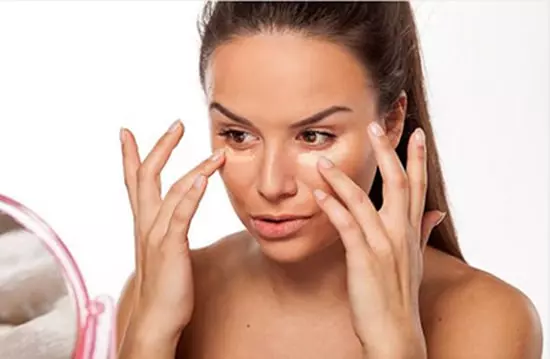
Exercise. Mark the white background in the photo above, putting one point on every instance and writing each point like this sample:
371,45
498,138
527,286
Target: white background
72,73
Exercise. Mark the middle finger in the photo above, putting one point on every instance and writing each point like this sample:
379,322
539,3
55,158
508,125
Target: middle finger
149,191
354,198
394,179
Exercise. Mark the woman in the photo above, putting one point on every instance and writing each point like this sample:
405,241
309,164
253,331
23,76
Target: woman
312,107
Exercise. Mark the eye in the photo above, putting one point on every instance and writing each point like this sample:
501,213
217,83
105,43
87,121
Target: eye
316,138
236,136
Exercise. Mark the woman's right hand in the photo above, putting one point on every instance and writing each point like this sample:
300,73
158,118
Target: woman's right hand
163,294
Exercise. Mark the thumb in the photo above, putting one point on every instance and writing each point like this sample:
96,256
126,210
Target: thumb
429,221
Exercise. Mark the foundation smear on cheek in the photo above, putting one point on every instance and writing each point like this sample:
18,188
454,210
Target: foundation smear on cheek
310,159
238,157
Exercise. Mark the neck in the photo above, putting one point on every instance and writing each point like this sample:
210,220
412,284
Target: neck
317,279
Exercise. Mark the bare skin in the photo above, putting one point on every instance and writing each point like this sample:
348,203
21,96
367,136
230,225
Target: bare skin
255,297
465,311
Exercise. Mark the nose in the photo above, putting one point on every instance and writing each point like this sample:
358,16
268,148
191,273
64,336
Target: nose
276,180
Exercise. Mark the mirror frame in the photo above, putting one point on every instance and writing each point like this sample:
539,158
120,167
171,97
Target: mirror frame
94,317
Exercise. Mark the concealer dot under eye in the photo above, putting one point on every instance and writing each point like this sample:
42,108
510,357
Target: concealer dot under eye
310,159
237,156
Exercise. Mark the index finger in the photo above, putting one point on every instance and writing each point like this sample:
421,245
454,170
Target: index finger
130,163
175,194
149,187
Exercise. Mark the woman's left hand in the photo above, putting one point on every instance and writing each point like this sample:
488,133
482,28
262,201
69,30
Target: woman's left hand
384,248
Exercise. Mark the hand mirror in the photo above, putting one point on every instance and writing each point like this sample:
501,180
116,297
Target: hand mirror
45,309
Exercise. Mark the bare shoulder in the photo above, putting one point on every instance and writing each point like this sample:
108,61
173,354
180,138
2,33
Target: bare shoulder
216,266
469,313
211,261
215,275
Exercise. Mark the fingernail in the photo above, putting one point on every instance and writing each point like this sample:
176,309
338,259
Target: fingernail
174,126
199,181
441,218
217,154
419,136
122,135
376,129
325,162
319,194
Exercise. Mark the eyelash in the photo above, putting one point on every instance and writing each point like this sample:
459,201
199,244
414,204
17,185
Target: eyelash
230,134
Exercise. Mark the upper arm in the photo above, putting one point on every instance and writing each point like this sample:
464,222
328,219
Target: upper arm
124,309
485,318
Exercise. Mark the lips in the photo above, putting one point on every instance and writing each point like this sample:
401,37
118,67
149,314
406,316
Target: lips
277,227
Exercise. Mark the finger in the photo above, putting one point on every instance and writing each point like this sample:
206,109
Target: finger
394,179
350,232
149,191
130,163
176,236
180,188
417,173
354,198
429,221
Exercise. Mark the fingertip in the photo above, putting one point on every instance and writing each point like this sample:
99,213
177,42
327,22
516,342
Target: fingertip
320,195
419,137
324,162
122,135
375,129
217,155
127,134
175,126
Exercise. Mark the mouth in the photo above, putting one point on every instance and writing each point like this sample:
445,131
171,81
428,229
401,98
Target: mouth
278,227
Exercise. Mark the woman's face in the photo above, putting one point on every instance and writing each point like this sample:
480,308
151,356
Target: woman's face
277,103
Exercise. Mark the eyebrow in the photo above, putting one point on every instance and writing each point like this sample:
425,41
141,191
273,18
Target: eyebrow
319,116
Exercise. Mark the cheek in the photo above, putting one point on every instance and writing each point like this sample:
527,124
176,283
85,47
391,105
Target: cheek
354,159
306,169
238,171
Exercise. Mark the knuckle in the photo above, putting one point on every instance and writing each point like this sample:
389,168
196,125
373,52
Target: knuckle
143,172
361,196
357,260
152,237
384,250
401,181
192,192
179,187
348,225
419,183
423,185
181,215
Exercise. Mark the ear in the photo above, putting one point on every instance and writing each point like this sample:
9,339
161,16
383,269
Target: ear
395,119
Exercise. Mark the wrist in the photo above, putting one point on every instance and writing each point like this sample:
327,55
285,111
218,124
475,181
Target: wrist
146,339
152,326
396,351
403,343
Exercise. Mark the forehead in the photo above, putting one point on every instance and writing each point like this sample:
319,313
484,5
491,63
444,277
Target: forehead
284,72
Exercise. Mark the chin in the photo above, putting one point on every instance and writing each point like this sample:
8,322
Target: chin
294,249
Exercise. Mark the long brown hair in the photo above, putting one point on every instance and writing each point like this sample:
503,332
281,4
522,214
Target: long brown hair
382,36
